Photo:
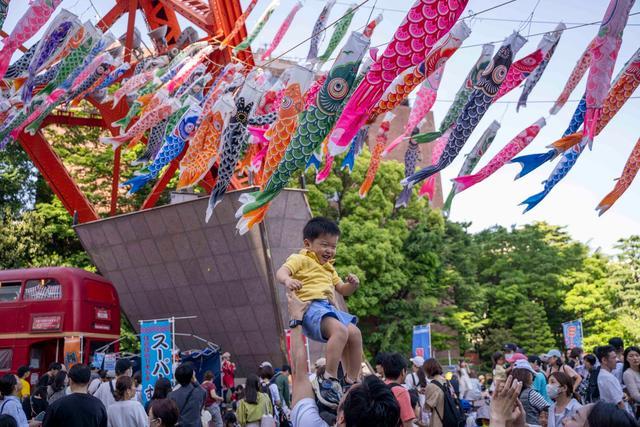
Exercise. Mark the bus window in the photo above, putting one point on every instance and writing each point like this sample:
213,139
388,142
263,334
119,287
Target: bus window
6,354
9,291
42,289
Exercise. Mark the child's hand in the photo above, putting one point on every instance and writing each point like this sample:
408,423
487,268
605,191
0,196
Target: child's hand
293,284
353,280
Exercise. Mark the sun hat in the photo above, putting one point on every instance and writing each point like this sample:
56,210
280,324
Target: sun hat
524,364
418,361
554,353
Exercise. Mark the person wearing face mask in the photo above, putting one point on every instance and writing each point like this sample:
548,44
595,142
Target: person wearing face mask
564,405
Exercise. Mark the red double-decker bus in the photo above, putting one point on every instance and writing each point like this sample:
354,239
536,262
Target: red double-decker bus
41,307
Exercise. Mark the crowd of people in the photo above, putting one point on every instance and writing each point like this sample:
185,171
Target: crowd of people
600,389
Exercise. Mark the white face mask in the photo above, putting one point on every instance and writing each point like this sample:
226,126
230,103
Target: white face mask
553,391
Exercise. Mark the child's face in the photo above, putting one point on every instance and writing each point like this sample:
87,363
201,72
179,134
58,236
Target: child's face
324,246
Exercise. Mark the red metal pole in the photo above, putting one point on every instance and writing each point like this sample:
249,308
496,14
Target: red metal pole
115,182
53,171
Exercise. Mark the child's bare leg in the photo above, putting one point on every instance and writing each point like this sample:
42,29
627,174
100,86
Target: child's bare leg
337,335
352,354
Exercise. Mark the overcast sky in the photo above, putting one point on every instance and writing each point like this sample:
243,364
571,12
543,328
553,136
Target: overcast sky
495,201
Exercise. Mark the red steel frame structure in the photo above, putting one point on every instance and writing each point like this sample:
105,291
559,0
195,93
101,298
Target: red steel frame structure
215,17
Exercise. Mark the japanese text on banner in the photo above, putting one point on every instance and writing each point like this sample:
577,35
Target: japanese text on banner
156,347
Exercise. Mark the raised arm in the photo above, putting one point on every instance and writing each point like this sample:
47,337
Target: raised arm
301,384
283,275
349,286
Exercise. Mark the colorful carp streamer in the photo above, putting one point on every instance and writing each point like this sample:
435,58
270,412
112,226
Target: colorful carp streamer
520,70
203,147
463,94
4,8
411,158
479,102
52,40
426,23
262,21
517,144
626,179
425,99
315,124
340,30
33,19
284,27
576,75
531,162
233,140
281,131
573,145
319,29
553,39
238,25
408,80
473,158
349,161
605,52
376,154
174,142
429,187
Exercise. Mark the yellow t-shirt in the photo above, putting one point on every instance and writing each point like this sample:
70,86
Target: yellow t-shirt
26,388
318,280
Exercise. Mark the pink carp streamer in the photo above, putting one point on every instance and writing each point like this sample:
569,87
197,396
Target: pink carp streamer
376,154
626,179
426,23
31,22
281,31
517,144
424,102
429,187
408,80
519,71
324,173
605,52
578,71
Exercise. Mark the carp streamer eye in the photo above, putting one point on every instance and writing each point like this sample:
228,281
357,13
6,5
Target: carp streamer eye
499,73
241,117
286,102
338,88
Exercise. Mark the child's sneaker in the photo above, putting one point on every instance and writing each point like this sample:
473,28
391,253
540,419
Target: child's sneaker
328,391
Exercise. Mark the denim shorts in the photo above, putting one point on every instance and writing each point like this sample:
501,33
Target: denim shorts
318,310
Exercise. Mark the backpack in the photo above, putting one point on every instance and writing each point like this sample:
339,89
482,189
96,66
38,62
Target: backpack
452,416
593,393
264,388
391,387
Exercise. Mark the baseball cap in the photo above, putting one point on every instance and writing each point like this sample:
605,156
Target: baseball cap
515,357
265,364
320,362
510,347
418,361
524,364
554,353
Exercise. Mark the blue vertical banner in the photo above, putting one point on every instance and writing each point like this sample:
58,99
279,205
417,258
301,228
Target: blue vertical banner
422,341
572,333
155,351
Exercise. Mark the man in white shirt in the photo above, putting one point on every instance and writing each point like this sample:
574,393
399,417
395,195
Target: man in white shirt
370,402
106,389
608,385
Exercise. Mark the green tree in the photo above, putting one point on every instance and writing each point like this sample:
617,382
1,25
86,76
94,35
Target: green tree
626,273
592,298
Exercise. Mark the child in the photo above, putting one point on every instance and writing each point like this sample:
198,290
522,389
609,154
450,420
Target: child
499,371
310,274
